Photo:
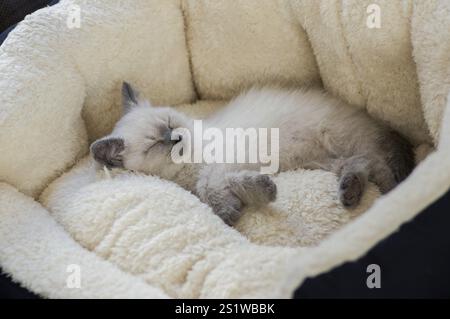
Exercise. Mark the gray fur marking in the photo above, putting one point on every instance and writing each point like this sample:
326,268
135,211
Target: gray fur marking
129,97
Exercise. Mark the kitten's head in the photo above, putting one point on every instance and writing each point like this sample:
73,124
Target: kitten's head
142,139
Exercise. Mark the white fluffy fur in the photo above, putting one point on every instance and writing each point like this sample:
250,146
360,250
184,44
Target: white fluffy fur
50,108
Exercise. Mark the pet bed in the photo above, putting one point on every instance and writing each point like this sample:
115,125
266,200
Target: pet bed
131,235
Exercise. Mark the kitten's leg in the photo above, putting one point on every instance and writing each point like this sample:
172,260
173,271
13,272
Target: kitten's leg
382,175
224,203
213,190
227,191
252,188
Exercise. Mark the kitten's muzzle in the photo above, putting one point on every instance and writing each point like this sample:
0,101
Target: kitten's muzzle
171,140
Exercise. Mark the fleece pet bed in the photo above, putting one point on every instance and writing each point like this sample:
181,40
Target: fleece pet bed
138,236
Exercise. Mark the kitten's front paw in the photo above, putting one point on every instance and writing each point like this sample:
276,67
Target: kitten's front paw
252,188
226,205
267,187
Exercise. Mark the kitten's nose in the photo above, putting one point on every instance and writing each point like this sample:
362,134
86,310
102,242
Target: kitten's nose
168,137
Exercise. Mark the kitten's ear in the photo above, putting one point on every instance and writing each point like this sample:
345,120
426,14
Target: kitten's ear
130,97
108,151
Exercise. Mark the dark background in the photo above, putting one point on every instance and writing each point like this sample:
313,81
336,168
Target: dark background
415,261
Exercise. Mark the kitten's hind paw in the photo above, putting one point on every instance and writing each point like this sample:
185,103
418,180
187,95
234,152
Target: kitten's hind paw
351,189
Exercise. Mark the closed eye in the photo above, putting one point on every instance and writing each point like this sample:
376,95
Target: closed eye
152,141
150,147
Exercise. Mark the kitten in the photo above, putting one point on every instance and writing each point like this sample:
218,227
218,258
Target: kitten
316,131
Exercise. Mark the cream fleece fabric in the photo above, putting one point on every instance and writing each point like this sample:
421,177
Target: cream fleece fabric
234,46
369,67
39,254
139,236
431,53
159,232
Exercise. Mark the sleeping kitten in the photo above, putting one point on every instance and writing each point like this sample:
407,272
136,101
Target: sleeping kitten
316,131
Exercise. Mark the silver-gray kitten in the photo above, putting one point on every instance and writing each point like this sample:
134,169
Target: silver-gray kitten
316,131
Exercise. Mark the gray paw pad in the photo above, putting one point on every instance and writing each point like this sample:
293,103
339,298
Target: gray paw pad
351,189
